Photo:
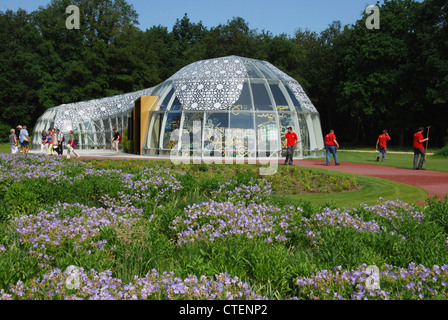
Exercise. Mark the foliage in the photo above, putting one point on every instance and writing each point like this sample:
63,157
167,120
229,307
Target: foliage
368,80
148,231
442,152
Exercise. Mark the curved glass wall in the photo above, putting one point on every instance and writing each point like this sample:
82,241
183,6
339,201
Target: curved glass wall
209,98
228,104
91,121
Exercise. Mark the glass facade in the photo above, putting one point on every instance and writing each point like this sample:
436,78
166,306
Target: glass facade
211,107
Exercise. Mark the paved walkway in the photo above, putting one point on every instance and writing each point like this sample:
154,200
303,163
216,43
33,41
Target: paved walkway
434,182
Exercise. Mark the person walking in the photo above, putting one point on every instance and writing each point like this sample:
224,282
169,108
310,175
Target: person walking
71,145
381,143
13,141
50,143
332,146
116,140
419,149
60,138
292,141
44,141
19,128
54,136
24,140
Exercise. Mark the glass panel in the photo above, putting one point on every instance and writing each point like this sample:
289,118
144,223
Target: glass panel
279,97
304,134
261,97
216,119
239,143
287,120
293,98
242,120
267,133
166,101
267,124
172,124
244,101
192,133
155,133
252,71
266,72
176,106
107,133
113,123
214,134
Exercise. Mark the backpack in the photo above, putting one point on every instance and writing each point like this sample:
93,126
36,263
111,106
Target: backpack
120,137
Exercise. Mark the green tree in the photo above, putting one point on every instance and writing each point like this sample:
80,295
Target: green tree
82,64
322,68
190,37
233,38
380,84
20,71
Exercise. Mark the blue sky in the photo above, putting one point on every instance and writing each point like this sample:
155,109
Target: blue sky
276,16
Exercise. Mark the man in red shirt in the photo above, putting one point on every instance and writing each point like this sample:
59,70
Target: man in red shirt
292,141
332,146
419,149
382,142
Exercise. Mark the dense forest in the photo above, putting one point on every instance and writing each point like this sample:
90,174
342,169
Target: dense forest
360,80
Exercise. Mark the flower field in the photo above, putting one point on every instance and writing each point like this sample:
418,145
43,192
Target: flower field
116,230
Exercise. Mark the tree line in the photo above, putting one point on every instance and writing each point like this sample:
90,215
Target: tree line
362,81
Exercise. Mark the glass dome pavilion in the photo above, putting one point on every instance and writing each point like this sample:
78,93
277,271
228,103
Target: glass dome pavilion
192,111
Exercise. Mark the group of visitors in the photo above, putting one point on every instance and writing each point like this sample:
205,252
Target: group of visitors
332,145
53,141
18,138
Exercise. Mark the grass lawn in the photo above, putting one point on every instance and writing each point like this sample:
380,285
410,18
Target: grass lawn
374,188
435,163
5,148
153,224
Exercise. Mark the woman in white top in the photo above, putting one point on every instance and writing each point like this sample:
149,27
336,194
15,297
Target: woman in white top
13,142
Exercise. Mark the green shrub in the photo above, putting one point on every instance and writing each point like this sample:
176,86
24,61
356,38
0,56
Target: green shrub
442,152
20,200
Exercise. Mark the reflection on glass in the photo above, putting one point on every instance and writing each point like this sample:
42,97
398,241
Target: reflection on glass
166,101
294,99
176,106
267,125
304,133
242,121
214,134
261,97
155,133
191,132
172,124
244,102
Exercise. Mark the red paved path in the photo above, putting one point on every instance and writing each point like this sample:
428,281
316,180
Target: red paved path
434,182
